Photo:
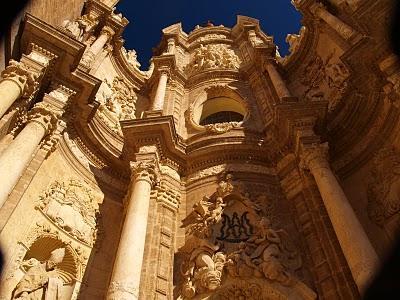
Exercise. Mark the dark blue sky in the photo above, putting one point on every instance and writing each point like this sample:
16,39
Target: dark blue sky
148,17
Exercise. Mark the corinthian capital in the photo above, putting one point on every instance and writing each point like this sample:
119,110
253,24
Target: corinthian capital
108,31
144,170
23,76
315,157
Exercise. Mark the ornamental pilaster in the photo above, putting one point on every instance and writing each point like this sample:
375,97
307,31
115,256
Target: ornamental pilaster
357,249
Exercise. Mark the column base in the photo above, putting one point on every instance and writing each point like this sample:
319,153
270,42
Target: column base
152,113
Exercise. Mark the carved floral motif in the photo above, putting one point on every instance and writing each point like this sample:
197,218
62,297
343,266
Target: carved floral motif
213,56
72,207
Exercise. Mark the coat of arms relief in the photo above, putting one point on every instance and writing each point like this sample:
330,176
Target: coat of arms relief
232,245
72,207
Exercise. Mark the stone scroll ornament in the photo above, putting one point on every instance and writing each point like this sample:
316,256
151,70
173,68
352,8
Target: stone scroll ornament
72,207
229,243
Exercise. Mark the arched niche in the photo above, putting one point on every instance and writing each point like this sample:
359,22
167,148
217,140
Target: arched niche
38,252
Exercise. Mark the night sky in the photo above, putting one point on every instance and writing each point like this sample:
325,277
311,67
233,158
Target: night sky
147,19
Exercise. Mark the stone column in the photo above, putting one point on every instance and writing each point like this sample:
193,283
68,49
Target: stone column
360,255
17,81
277,81
344,30
127,269
171,46
158,103
105,35
18,154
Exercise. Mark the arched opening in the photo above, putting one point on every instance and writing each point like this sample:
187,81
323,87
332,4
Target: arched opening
220,110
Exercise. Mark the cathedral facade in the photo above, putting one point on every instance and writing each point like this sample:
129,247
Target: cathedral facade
225,171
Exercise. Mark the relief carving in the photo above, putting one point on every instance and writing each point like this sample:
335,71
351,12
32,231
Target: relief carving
78,28
117,102
219,128
325,80
72,207
211,36
213,56
384,189
229,241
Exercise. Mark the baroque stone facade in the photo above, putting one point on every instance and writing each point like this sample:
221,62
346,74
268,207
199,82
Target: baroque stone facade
225,171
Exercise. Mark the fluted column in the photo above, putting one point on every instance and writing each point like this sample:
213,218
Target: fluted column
127,269
17,81
105,35
344,30
17,155
277,81
158,103
360,255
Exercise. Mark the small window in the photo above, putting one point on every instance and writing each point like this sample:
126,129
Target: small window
222,117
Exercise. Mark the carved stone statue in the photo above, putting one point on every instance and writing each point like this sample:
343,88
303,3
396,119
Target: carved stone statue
131,57
80,26
40,281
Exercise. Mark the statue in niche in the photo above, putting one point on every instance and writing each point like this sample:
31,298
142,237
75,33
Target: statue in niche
40,280
248,247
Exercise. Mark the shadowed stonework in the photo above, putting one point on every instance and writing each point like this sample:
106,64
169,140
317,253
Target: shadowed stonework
224,171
